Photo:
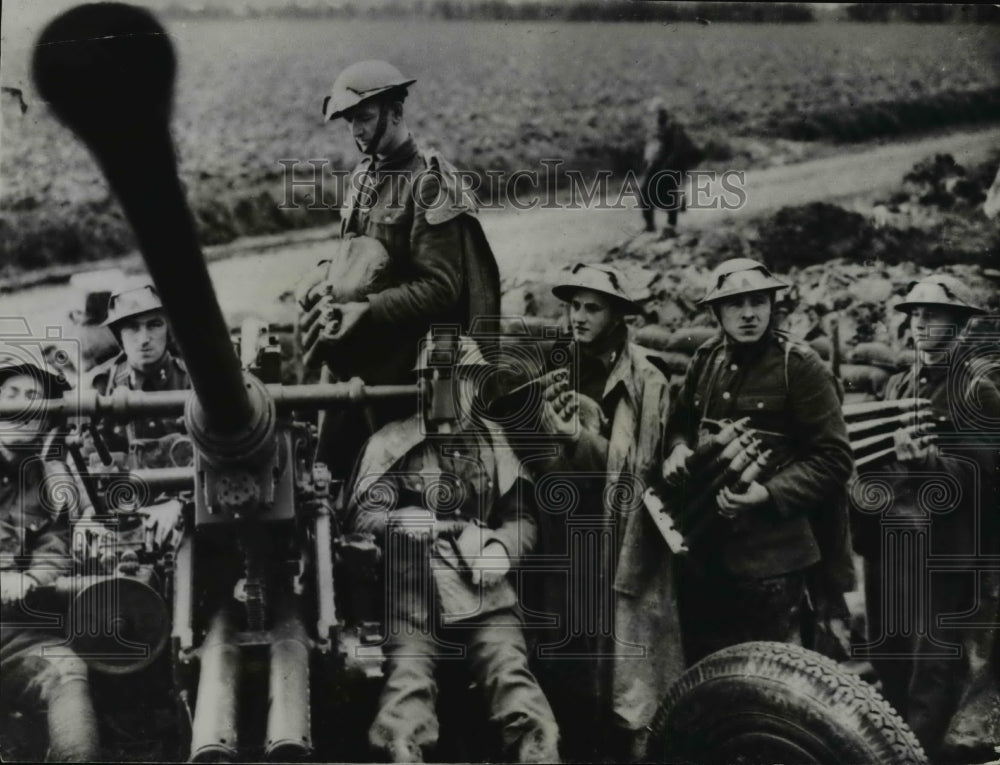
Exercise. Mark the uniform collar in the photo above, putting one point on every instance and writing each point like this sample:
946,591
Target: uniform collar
622,373
400,157
606,350
747,353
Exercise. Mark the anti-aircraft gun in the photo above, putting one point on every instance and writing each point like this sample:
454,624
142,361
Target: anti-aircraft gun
252,582
252,600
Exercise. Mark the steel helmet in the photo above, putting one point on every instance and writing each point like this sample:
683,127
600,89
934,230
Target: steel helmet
738,276
599,278
448,351
132,302
359,82
23,361
943,290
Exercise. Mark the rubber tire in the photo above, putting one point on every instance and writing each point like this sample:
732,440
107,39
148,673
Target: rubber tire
772,702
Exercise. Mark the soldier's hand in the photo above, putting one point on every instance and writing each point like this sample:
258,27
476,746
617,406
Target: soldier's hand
350,316
731,502
491,565
914,449
591,415
675,466
14,586
557,379
558,419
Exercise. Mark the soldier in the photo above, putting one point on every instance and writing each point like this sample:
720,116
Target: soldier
40,673
668,156
622,400
935,688
450,511
139,324
405,202
749,582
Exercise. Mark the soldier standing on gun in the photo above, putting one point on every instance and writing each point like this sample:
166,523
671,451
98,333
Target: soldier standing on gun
451,513
622,400
408,204
40,673
935,691
750,581
139,324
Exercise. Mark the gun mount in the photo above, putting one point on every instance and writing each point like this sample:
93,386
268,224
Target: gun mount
254,564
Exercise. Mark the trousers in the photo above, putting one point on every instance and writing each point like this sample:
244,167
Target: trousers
921,676
406,725
718,610
39,674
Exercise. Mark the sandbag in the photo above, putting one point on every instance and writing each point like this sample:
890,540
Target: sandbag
689,339
874,354
863,378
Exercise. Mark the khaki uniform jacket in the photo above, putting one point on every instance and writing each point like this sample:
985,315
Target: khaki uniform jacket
34,521
116,373
784,388
469,478
648,654
442,270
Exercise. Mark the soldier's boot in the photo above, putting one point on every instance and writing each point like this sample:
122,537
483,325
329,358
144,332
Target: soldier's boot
72,723
540,744
403,750
498,659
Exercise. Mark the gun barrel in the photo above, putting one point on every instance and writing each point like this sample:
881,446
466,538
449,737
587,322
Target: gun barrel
164,479
124,403
107,70
288,722
214,729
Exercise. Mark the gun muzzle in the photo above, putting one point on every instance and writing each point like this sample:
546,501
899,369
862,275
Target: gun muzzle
214,732
107,71
288,721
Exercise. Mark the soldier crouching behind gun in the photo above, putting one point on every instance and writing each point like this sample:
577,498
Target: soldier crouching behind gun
940,694
40,673
450,511
749,580
139,324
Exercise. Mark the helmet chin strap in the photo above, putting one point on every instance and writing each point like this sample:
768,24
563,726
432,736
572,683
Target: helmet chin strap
380,127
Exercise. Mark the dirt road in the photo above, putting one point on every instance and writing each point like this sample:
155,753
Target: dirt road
531,244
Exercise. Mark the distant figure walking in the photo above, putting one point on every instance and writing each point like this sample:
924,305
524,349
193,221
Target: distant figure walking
669,154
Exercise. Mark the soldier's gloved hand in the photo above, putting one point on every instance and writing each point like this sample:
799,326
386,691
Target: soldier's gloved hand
315,327
491,565
756,495
14,586
675,466
351,315
914,451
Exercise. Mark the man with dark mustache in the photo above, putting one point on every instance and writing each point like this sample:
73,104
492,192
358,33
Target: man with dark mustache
789,530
